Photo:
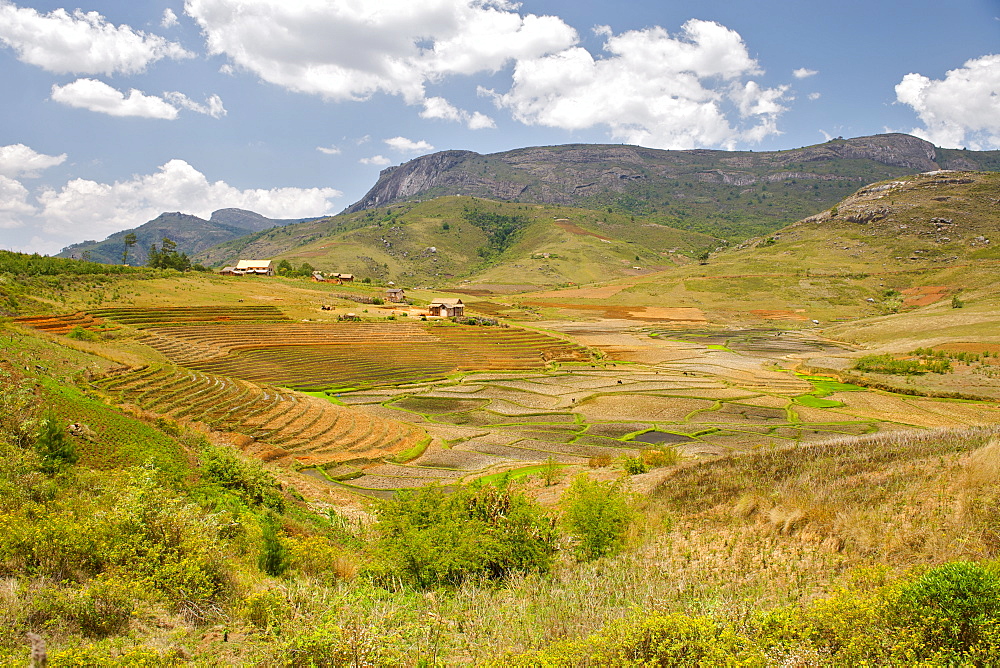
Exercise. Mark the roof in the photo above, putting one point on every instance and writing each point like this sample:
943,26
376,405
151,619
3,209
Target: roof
344,275
254,264
394,289
447,302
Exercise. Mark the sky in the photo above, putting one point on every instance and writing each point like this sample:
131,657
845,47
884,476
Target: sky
114,112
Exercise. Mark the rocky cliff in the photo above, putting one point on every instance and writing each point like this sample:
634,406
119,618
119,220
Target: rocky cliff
650,180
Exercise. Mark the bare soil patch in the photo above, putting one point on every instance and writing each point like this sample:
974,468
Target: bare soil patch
776,314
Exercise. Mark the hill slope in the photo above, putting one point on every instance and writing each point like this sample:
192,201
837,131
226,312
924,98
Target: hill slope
453,238
730,194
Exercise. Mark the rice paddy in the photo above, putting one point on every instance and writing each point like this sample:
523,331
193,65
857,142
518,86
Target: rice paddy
467,402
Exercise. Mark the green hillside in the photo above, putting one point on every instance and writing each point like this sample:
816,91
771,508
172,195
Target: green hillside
453,239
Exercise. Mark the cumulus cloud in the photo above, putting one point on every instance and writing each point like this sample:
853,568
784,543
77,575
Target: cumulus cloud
98,96
377,160
975,122
88,209
404,145
329,150
18,160
351,50
652,89
169,18
14,206
438,107
81,42
804,73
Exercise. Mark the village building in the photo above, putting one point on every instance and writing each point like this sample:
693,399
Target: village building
256,267
395,295
448,308
231,271
318,277
343,278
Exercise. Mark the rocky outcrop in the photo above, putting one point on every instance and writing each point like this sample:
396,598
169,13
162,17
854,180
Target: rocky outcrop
581,173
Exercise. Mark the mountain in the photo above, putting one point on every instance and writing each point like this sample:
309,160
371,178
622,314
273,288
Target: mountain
729,194
191,234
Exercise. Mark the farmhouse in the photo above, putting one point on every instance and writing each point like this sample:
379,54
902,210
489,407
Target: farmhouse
258,267
344,278
231,271
448,308
318,277
395,295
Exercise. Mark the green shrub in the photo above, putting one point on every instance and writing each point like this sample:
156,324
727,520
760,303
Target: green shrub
431,537
634,465
955,609
597,515
328,646
273,558
656,640
78,333
53,445
247,479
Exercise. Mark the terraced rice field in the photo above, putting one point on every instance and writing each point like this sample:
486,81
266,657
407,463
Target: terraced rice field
576,414
290,427
60,324
493,399
355,355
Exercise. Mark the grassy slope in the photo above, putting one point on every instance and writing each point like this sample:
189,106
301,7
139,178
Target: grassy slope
393,244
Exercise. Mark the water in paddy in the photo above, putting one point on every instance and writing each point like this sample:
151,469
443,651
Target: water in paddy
661,437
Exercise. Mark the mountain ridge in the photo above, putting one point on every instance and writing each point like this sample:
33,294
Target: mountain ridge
696,189
192,235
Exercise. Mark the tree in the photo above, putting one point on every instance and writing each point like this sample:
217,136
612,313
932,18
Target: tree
285,268
53,445
130,240
703,258
273,558
167,256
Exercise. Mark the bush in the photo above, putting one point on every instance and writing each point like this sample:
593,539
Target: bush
53,446
955,608
246,479
656,640
431,537
273,558
597,515
634,465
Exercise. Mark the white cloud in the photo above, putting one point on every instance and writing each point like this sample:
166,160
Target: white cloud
20,160
81,42
974,122
377,160
169,18
652,89
814,96
14,206
95,95
329,150
212,107
438,107
98,96
803,73
404,145
351,49
84,209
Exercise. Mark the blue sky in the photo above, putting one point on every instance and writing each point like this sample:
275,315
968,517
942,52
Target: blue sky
114,112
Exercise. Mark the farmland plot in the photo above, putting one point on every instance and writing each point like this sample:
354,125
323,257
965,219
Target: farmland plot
494,399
